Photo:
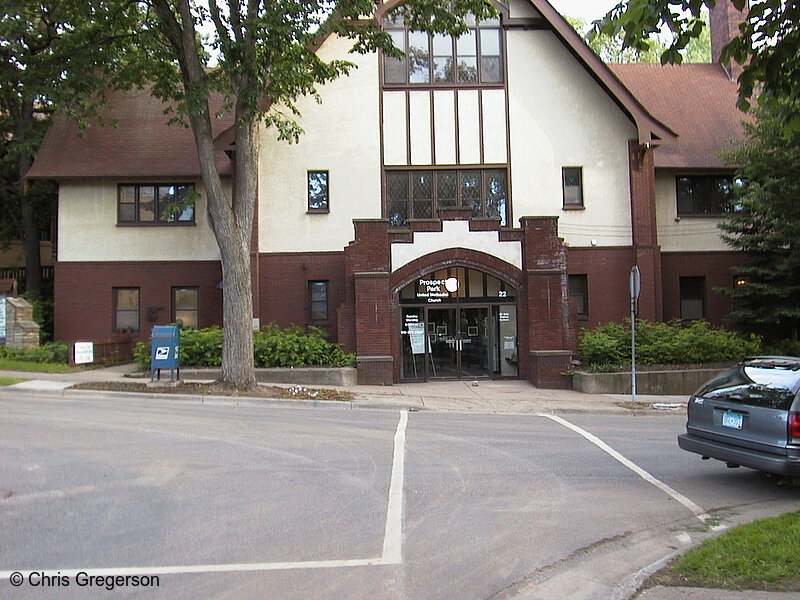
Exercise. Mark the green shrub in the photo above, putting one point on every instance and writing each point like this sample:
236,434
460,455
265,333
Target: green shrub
53,352
272,347
784,348
664,343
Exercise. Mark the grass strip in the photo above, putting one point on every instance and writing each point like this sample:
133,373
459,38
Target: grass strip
10,381
10,364
763,555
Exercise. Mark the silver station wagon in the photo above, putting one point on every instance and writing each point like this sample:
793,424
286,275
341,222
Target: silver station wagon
749,416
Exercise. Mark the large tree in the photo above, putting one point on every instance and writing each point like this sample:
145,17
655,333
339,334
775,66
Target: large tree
766,226
54,55
265,53
767,46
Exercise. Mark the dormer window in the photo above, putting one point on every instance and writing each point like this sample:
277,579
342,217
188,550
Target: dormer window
474,58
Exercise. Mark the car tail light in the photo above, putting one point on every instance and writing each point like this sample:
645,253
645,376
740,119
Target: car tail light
794,427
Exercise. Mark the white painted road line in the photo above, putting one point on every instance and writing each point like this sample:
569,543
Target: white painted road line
675,495
393,535
392,540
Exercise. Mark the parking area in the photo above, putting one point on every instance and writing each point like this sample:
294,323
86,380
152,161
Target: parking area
249,500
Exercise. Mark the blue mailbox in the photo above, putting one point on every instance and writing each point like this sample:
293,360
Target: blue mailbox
165,346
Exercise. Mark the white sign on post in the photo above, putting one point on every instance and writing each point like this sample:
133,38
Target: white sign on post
416,331
2,317
635,285
84,353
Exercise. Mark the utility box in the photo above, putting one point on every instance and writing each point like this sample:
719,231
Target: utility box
165,347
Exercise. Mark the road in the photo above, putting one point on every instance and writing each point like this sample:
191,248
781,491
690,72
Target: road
262,500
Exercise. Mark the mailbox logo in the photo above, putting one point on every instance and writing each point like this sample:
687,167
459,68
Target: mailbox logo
162,353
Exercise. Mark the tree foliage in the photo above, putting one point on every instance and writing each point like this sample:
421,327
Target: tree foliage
612,48
768,44
54,55
766,226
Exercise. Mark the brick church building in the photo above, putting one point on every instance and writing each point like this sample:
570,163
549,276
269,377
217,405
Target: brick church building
459,215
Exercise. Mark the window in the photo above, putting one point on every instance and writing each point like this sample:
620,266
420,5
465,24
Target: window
126,310
473,58
702,195
692,291
318,300
579,293
155,204
419,194
318,191
572,183
185,307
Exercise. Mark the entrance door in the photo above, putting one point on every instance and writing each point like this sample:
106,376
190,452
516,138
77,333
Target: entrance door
459,342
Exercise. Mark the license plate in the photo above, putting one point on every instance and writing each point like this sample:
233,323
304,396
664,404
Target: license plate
732,420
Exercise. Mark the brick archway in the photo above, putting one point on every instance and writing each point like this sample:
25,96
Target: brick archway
456,257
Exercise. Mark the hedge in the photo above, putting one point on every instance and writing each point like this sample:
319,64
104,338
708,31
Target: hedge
53,352
272,347
664,343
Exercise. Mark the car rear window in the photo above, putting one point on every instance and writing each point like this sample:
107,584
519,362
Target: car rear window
754,386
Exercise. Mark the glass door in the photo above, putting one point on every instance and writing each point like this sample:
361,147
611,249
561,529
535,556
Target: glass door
473,342
443,337
459,342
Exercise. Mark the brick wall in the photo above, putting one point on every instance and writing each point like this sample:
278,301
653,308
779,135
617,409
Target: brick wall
716,267
283,289
84,303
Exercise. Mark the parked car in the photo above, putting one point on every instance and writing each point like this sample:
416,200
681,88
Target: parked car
749,416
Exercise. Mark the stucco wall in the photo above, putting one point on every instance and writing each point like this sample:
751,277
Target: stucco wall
687,234
342,136
88,230
561,117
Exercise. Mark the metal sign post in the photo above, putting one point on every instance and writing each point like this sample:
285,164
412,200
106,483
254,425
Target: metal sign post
635,285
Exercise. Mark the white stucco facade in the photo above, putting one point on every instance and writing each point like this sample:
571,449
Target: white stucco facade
560,117
684,234
88,229
342,136
456,234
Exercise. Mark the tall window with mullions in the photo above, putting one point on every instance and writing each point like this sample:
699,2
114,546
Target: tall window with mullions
474,58
419,194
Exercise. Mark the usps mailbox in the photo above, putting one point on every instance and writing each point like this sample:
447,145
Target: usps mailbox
165,347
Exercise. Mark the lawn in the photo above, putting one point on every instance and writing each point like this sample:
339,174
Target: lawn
9,381
10,364
763,555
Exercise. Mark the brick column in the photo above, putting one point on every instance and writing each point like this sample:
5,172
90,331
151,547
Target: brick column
647,252
548,338
367,315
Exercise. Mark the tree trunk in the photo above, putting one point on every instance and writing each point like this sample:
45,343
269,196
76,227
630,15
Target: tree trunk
238,367
231,219
30,232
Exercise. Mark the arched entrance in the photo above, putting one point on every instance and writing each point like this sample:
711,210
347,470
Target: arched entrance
458,323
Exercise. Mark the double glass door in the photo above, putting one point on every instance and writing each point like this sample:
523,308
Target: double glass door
458,342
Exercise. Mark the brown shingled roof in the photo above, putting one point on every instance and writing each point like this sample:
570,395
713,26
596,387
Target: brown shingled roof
697,101
141,144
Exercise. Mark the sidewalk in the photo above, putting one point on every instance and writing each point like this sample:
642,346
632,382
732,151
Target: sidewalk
483,396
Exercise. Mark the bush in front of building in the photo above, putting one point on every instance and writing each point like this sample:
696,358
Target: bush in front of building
53,352
609,345
297,347
272,347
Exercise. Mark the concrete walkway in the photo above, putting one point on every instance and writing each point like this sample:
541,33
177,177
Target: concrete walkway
483,396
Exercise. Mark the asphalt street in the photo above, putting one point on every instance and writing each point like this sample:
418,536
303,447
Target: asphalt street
226,499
